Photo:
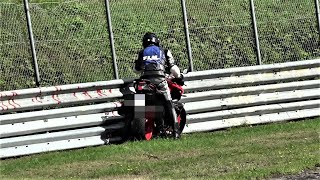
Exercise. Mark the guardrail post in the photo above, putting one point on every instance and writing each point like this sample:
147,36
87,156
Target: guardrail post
254,22
186,30
318,16
32,44
113,51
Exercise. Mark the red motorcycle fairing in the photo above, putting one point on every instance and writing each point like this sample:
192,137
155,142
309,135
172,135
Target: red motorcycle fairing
145,126
176,90
174,86
144,85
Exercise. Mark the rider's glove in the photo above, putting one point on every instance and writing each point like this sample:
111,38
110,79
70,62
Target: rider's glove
179,81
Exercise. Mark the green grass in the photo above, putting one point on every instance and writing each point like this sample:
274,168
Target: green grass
237,153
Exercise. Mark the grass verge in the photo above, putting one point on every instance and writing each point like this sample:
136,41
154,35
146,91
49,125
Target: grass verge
256,152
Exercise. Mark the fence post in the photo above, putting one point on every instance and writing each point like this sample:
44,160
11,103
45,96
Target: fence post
32,44
318,16
254,22
113,51
186,30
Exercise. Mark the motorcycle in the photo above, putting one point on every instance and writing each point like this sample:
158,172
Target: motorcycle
146,116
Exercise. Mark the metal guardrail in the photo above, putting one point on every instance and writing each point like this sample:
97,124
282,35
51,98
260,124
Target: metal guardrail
63,117
56,96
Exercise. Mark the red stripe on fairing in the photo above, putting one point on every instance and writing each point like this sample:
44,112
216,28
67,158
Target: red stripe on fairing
149,129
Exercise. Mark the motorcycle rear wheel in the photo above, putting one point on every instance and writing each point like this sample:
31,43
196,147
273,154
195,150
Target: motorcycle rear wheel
142,128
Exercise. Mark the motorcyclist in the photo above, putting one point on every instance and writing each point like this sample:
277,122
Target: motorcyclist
152,63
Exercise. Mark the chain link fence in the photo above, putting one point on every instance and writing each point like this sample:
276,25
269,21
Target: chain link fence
221,34
73,46
132,19
72,41
287,30
16,70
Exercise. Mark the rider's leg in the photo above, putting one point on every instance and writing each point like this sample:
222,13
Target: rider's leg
170,108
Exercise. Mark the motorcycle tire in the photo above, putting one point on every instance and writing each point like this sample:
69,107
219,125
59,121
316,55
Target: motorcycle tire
142,129
181,115
182,119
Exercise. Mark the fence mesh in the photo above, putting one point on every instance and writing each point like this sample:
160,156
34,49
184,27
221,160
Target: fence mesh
16,69
287,30
132,18
221,34
72,41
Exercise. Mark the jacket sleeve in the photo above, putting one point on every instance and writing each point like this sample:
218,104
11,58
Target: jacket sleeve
169,57
174,69
138,64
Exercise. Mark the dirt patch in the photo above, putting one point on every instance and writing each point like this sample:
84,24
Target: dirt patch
305,175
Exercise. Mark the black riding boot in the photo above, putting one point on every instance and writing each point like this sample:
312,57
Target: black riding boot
174,120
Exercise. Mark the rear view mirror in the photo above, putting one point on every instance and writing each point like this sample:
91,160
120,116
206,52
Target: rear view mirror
185,71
